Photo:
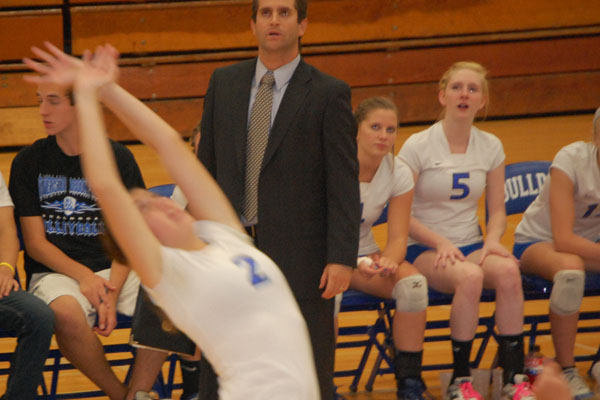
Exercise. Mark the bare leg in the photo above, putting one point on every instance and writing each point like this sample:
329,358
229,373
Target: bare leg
145,370
80,345
503,275
543,260
408,327
465,280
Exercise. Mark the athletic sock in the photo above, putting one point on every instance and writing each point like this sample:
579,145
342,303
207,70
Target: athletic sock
209,384
461,353
190,374
407,364
510,356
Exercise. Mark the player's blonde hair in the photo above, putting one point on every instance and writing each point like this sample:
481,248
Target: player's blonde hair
472,66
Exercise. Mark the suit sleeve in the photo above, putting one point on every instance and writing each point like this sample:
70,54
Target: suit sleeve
341,164
206,147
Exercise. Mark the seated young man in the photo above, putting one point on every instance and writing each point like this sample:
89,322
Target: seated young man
62,227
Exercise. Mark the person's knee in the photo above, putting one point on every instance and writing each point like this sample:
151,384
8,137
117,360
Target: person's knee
43,322
573,262
567,292
411,294
510,278
470,281
68,315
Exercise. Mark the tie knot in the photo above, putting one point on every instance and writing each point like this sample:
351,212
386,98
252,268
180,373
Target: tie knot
268,79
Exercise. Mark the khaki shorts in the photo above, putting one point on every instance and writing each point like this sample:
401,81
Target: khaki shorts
50,285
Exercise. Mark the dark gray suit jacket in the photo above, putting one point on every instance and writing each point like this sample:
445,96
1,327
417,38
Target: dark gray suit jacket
309,201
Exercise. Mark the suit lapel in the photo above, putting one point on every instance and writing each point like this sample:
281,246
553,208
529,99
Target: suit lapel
290,104
240,93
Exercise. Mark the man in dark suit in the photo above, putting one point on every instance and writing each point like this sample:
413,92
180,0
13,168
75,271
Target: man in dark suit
308,212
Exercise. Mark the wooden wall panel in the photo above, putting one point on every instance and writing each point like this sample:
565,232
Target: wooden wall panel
542,55
428,64
29,3
210,25
361,69
163,27
20,126
513,96
182,115
20,30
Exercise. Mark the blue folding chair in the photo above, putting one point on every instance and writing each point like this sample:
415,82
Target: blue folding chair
165,190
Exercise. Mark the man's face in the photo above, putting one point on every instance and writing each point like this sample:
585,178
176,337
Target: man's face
277,28
56,110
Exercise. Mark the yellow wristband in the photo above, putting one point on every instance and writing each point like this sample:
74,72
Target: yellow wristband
9,266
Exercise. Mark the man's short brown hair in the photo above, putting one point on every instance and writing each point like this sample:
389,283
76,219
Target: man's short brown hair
300,5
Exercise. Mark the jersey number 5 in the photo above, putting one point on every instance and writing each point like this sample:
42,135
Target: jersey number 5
457,184
256,276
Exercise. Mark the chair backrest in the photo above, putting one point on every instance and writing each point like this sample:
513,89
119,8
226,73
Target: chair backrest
522,183
165,190
383,217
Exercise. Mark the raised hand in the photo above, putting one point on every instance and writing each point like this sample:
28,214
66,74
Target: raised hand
95,70
60,68
98,69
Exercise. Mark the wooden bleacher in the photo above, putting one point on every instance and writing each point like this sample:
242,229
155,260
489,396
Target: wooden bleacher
542,55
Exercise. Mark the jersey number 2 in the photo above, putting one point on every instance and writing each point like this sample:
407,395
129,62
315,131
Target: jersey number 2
256,276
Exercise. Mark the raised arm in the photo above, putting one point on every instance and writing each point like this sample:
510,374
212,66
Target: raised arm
98,162
206,200
121,214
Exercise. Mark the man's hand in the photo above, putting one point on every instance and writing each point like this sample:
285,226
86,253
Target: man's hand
335,279
95,289
107,315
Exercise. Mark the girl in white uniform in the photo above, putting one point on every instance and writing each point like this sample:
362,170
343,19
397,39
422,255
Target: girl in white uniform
453,164
384,180
200,267
558,240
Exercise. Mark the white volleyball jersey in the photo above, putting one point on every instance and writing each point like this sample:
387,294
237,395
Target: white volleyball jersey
579,161
450,185
5,200
393,178
236,305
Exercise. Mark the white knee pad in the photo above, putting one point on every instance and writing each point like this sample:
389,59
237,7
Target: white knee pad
411,294
567,292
